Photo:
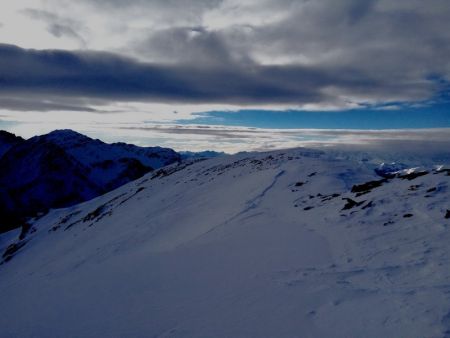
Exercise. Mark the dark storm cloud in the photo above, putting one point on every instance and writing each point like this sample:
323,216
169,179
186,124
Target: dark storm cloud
391,49
331,52
108,76
401,40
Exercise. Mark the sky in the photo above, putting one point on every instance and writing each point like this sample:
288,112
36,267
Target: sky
228,75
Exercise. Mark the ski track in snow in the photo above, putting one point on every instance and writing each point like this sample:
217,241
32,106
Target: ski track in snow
256,201
250,205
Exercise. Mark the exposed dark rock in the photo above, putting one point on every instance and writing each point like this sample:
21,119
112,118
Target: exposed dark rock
407,215
413,175
64,220
351,203
444,171
12,249
299,184
180,166
94,214
256,162
364,188
447,214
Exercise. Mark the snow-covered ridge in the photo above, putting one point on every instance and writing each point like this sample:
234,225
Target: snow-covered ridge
291,243
91,152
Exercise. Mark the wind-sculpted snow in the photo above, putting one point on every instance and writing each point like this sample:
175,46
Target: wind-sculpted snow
291,243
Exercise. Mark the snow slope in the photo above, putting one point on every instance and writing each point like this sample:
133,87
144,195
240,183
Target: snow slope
291,243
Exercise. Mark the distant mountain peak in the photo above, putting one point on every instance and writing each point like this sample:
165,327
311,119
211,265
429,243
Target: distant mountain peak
65,167
64,136
65,133
6,135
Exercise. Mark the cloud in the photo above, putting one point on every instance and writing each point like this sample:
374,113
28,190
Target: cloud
56,25
40,104
105,75
101,75
189,45
378,38
147,14
222,133
305,136
155,5
323,52
429,143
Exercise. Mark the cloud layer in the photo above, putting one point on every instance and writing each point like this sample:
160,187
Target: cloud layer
107,76
64,64
111,77
323,52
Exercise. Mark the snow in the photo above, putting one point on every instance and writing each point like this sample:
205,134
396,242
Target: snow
234,247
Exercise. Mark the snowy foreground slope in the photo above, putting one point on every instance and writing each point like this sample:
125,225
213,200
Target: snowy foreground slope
253,245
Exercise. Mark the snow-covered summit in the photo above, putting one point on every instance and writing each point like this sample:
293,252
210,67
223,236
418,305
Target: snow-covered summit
292,243
64,135
93,151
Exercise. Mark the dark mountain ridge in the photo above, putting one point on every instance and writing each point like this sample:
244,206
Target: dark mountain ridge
64,168
8,140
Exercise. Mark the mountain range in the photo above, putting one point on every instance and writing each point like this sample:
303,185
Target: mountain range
64,168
